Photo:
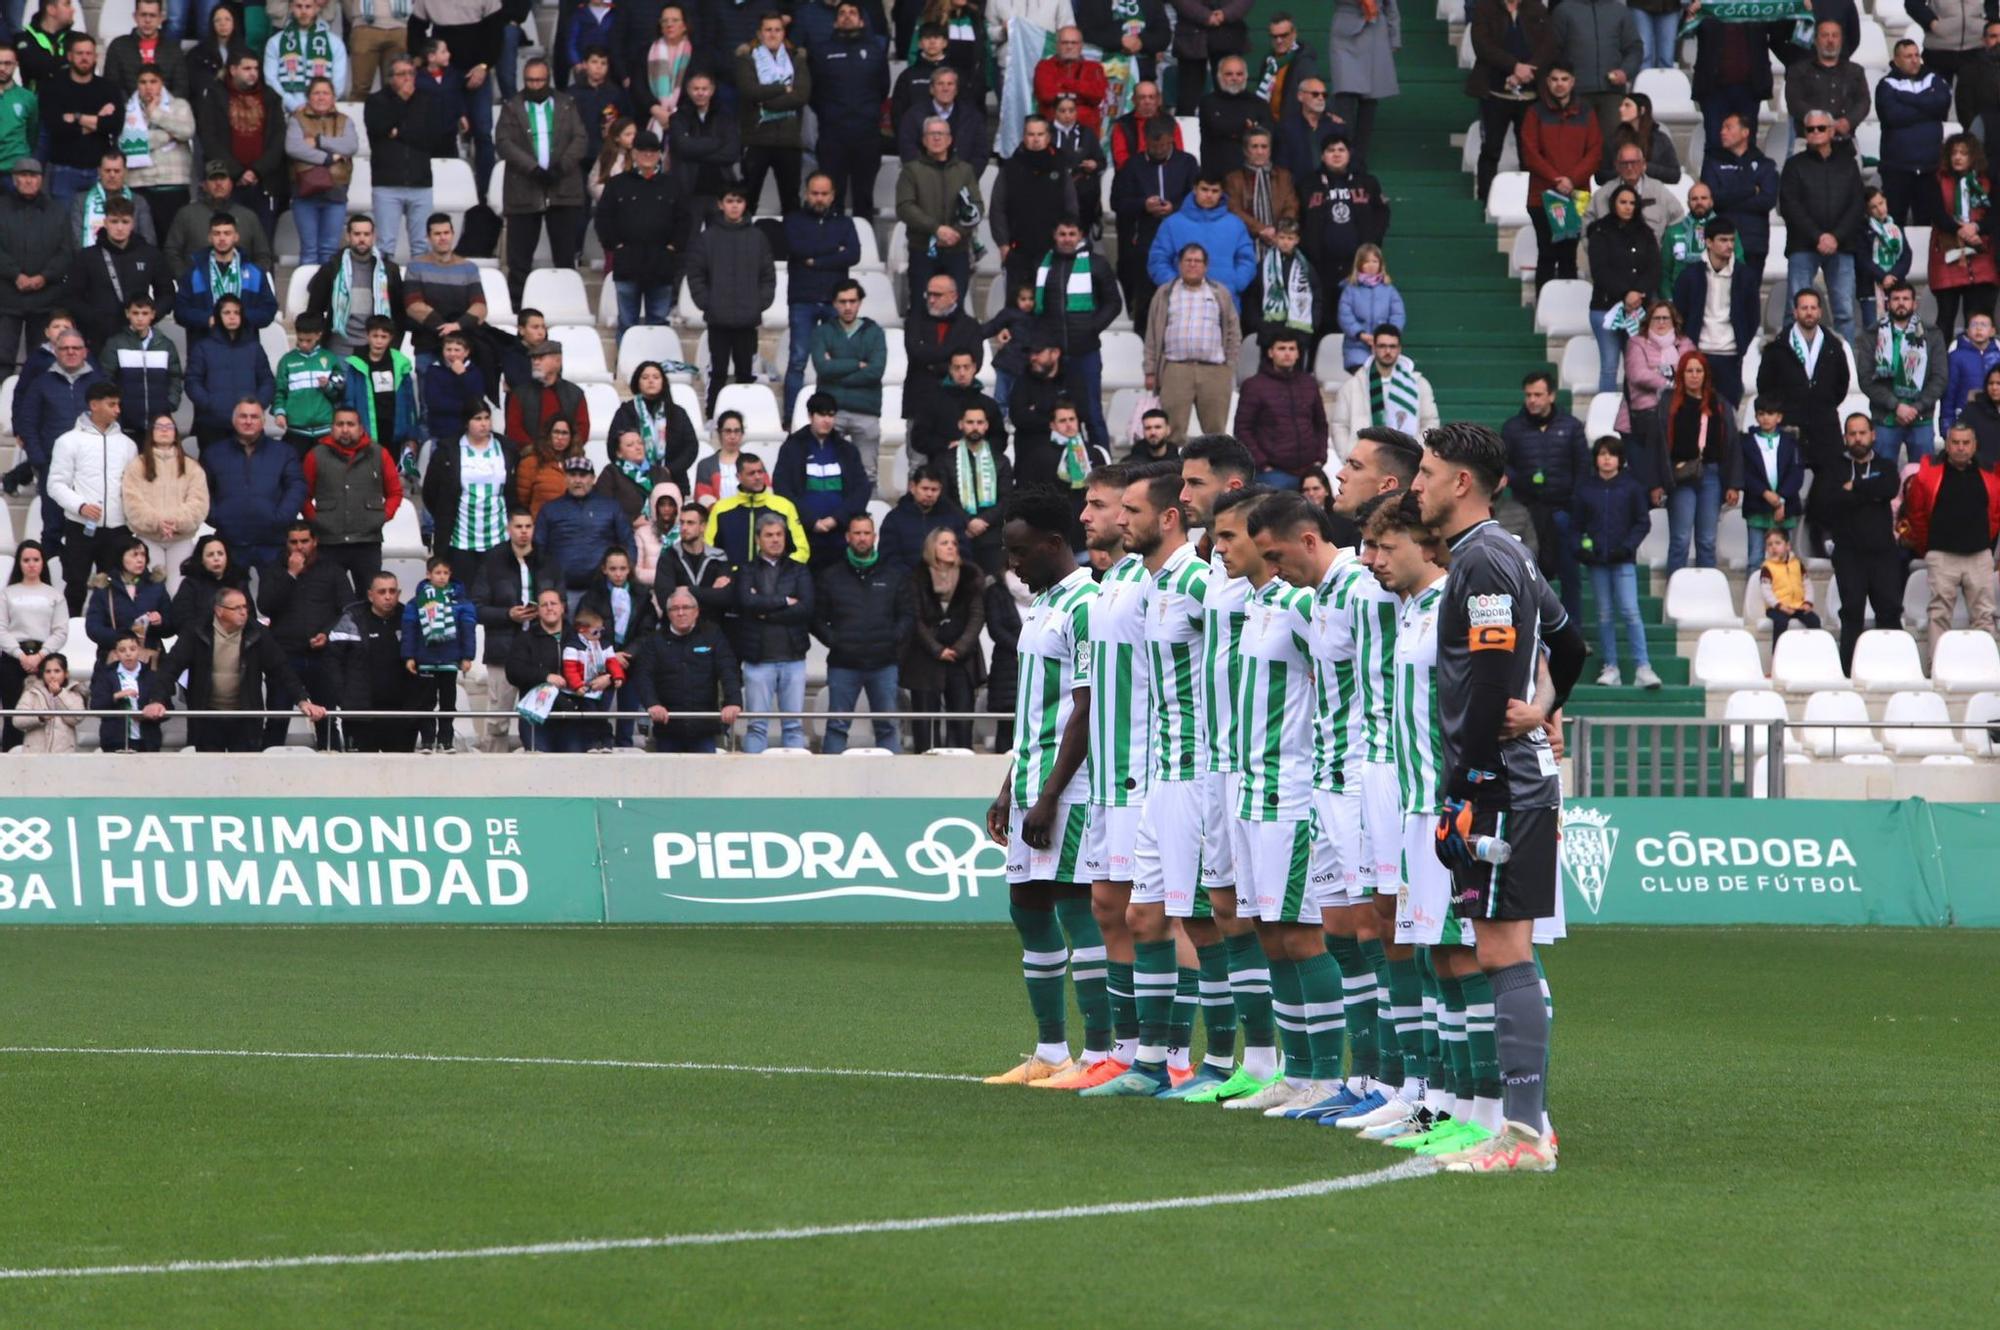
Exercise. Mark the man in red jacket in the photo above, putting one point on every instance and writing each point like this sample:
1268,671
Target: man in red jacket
1560,148
1951,516
1281,417
1067,71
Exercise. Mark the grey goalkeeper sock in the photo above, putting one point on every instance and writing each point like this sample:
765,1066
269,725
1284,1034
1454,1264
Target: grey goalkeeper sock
1521,1027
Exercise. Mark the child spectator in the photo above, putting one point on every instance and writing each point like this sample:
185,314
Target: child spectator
309,384
452,387
1782,580
1883,257
440,642
1009,331
1774,477
592,670
1971,358
50,698
654,537
122,683
224,368
145,366
1610,516
1367,301
382,386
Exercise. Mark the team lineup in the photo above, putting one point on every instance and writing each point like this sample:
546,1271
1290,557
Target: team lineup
1310,791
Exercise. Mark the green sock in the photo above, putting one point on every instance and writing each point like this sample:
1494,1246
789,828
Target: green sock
1218,1008
1434,1071
1124,1008
1404,1020
1451,1032
1154,978
1324,1012
1485,1050
1087,972
1043,960
1357,992
1250,984
1287,1008
1187,996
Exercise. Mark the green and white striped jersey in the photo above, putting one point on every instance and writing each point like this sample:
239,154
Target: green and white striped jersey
1419,740
1174,656
1354,642
1275,733
1121,711
1222,670
1054,661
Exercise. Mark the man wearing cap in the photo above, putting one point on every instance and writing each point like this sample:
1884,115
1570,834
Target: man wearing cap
642,225
579,527
36,248
188,236
545,398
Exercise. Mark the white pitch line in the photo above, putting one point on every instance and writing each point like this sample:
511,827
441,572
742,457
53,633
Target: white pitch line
1410,1168
631,1064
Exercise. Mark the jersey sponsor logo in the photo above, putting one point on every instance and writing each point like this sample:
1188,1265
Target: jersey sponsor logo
1489,608
1588,844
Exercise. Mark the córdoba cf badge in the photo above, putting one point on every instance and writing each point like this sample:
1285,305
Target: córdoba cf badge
1589,843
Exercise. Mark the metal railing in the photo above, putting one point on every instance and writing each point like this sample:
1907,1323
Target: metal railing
1708,758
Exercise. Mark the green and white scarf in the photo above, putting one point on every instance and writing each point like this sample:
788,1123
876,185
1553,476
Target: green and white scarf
649,430
978,478
1076,292
1396,402
1798,345
1887,240
1622,317
1274,65
93,213
343,291
303,55
1900,355
1288,297
1969,197
1796,12
541,128
224,280
1075,463
773,67
435,615
638,472
134,137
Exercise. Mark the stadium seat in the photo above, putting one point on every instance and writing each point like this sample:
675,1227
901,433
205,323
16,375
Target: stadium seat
1563,309
1602,420
295,290
690,401
361,185
558,293
499,299
453,187
645,342
1885,660
759,407
7,404
1836,724
1807,660
1653,549
1526,253
603,401
1507,201
1699,598
403,537
1578,372
1966,661
1124,360
1673,98
878,300
1926,709
583,354
81,656
8,544
1981,709
1747,706
1726,659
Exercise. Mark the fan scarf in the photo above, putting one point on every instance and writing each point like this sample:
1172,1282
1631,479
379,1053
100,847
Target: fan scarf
343,292
1394,403
1900,354
1076,291
978,478
1288,297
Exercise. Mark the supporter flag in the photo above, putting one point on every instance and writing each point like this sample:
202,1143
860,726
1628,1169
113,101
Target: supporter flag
1028,44
1561,210
1796,12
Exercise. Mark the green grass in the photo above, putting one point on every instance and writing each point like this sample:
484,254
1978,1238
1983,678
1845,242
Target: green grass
1759,1128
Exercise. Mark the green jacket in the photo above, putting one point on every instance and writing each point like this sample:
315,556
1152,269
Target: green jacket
837,357
1681,247
407,427
20,125
304,396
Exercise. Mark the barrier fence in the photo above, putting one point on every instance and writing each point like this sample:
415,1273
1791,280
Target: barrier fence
886,859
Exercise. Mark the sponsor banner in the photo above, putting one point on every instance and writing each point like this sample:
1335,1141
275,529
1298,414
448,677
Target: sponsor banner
293,861
800,860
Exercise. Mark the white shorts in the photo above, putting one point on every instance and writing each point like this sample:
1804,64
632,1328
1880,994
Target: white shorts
1381,828
1340,816
1284,871
1167,857
1062,861
1109,843
1423,906
1218,828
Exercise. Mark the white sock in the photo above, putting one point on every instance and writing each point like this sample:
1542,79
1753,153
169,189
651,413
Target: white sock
1092,1056
1125,1050
1486,1113
1358,1084
1261,1062
1177,1059
1053,1054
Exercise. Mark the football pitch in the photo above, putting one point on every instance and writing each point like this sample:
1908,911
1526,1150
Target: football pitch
1759,1127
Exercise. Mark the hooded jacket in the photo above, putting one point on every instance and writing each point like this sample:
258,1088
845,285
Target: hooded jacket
351,491
224,368
1608,519
1232,257
1965,377
173,495
647,541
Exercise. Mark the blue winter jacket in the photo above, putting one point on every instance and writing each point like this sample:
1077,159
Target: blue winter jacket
449,399
1363,309
114,607
48,407
1746,192
194,306
221,371
1232,258
850,75
576,533
253,494
1609,518
1967,376
1546,460
1912,112
462,646
821,248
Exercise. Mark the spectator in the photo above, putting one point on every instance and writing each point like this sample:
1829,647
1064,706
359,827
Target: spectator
453,388
773,87
977,481
1774,478
547,399
965,47
1068,72
687,666
203,574
1984,417
1560,147
188,236
922,510
1205,220
1635,126
1513,44
1013,328
849,355
382,388
628,480
145,366
704,144
1903,376
1827,81
1057,454
732,520
1685,243
850,81
115,272
1956,201
1281,415
129,596
642,229
669,436
302,599
1228,113
1972,357
579,526
1547,460
1806,373
219,274
774,606
1867,565
656,531
34,623
87,207
1659,207
932,433
913,85
1389,391
377,34
541,139
1204,35
243,130
80,116
352,492
1697,462
1129,131
625,617
1912,103
460,61
407,127
1032,192
255,486
862,611
1607,519
510,581
122,682
86,479
819,470
165,497
225,368
695,564
1260,194
321,143
216,49
1732,74
1624,270
1881,260
1651,359
601,104
357,286
1193,340
1003,625
942,662
614,158
366,672
971,139
36,247
1362,64
306,383
1781,581
821,246
938,201
943,330
1951,519
126,53
715,474
47,700
732,279
438,642
1082,153
1147,189
1952,33
1154,442
231,664
443,296
1076,297
44,40
303,50
536,657
1288,289
1978,81
1719,301
1288,63
20,113
55,400
1742,181
1598,40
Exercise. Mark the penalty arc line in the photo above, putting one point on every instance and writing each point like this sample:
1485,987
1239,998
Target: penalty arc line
1411,1168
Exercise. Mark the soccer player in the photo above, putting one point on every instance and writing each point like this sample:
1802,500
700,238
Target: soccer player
1041,812
1282,860
1493,618
1120,714
1213,465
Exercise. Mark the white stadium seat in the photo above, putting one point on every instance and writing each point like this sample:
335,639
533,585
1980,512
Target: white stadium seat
1981,709
878,300
1700,598
1124,360
1507,200
583,354
1673,98
644,342
558,293
1602,422
1807,660
1578,371
295,289
499,299
1966,661
1563,308
1726,659
1925,708
1849,712
1751,705
759,407
603,401
1885,660
453,186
